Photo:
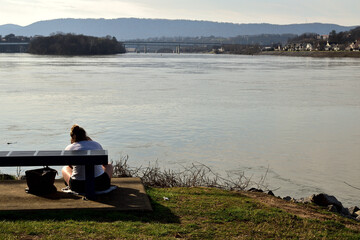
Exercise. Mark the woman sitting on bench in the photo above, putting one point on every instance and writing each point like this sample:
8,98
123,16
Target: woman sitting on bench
74,176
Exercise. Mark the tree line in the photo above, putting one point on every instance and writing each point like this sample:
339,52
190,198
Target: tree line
346,37
11,38
71,44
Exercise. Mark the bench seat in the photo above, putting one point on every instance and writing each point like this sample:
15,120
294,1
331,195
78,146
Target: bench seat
89,158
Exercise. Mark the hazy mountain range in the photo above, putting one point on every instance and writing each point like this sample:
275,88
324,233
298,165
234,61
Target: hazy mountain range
134,28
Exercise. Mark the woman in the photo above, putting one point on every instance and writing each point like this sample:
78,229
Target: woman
74,176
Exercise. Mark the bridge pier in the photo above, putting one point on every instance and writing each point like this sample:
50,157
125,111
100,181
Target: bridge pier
178,49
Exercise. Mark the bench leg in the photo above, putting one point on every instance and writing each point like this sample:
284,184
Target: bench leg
90,182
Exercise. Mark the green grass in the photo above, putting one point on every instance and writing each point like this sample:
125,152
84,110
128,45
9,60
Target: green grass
190,213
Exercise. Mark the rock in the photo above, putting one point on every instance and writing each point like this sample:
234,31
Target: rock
255,190
357,213
358,218
271,193
331,202
287,198
325,200
345,212
304,200
353,210
332,208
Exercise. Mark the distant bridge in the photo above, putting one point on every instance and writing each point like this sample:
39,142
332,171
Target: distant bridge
144,45
168,43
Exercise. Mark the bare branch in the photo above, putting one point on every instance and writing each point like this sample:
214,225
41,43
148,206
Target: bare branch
195,175
352,186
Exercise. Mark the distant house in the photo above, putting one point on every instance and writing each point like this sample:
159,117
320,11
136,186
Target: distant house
308,47
335,47
354,46
293,47
323,37
286,48
268,49
299,47
278,48
327,47
357,45
350,47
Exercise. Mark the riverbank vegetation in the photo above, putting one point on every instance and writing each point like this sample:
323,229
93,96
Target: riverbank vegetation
70,44
195,175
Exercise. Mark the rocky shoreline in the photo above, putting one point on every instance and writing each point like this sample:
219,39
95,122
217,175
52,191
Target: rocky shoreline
318,54
323,200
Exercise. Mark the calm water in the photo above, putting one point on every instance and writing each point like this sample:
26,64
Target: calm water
299,117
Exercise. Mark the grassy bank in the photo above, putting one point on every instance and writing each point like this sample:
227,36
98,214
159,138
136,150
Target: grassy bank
188,213
320,54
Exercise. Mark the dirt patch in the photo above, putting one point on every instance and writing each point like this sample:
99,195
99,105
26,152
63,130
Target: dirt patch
301,210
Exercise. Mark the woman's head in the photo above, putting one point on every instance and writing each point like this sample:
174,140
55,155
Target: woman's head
78,134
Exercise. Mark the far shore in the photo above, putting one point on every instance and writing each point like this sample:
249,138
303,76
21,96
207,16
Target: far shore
319,54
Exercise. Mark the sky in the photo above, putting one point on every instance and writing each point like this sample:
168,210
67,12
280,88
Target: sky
345,12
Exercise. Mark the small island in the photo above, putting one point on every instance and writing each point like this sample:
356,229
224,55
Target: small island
72,45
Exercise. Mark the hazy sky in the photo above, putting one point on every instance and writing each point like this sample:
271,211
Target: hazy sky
345,12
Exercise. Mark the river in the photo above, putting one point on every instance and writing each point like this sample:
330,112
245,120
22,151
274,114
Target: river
297,117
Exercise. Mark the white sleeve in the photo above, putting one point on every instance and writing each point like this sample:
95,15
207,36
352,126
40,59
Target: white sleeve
69,147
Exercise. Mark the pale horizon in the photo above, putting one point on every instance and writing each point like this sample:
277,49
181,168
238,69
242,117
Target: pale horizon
23,13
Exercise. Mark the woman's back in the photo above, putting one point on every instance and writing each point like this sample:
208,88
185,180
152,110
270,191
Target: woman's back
84,145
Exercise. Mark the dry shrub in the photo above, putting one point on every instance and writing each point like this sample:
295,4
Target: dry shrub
196,175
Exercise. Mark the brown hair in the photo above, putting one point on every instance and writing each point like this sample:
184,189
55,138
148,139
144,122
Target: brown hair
78,134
